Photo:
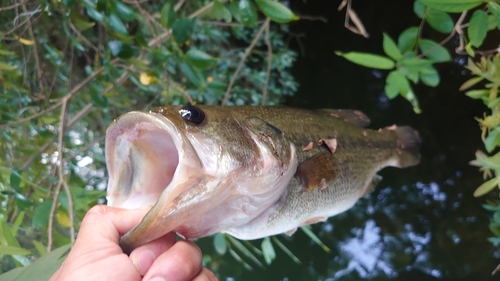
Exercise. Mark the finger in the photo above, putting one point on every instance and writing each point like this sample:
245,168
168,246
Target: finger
144,256
205,275
109,223
179,263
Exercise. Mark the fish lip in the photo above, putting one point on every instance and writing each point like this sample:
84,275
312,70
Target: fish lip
121,135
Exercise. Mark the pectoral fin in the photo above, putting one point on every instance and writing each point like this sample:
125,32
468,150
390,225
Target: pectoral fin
317,171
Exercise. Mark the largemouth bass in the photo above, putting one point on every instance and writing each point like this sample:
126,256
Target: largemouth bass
250,172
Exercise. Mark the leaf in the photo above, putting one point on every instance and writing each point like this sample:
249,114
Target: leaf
233,7
13,250
120,49
307,230
123,10
452,6
471,82
11,274
182,30
41,216
45,266
440,21
430,77
220,243
4,66
40,247
492,141
396,83
268,250
200,59
116,24
244,250
416,63
368,60
79,20
26,41
190,73
407,39
285,249
494,9
478,27
167,14
6,53
434,51
477,94
220,12
146,79
276,11
419,9
248,13
486,187
15,180
93,13
390,48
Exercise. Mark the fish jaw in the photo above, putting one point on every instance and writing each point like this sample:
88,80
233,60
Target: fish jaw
143,153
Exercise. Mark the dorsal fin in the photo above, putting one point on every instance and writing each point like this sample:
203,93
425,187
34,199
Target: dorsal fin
317,171
349,115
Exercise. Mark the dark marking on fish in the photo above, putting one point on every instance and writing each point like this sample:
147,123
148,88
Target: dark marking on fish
317,171
352,116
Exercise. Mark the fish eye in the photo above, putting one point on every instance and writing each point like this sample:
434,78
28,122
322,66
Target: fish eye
192,114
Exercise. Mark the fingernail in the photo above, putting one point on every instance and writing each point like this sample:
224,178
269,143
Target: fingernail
143,261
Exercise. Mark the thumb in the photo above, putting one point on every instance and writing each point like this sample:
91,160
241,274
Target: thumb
110,223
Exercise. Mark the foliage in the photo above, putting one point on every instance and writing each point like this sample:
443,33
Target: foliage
68,68
412,59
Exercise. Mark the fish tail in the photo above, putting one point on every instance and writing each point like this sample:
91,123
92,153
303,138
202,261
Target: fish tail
408,145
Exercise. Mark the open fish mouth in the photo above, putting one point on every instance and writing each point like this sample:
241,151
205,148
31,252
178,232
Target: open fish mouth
145,154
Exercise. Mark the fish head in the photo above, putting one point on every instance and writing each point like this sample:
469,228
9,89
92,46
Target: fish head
189,162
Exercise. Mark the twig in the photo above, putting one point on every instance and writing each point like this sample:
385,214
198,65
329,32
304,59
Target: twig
85,148
314,18
84,39
13,6
269,64
243,58
186,94
39,72
56,105
351,14
83,112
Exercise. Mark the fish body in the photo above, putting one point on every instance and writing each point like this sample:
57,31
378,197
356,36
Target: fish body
250,172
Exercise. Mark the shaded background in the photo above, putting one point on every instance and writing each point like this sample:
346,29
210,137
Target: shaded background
420,223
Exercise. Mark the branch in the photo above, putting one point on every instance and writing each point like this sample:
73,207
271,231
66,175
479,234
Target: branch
243,58
269,63
39,72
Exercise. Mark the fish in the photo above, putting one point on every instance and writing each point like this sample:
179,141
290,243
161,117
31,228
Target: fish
250,172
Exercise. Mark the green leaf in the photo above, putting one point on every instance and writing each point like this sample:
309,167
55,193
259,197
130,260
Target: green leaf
276,11
190,73
471,82
492,141
434,51
430,77
368,60
167,14
494,9
235,11
244,250
93,13
116,24
123,11
220,12
45,266
182,30
477,94
419,9
408,39
285,249
390,48
41,216
248,13
416,63
4,66
307,230
486,187
492,22
220,243
440,21
268,250
6,53
200,59
452,6
79,20
120,49
11,274
478,27
15,180
396,83
13,250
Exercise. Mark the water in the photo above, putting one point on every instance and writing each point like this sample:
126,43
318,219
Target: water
420,223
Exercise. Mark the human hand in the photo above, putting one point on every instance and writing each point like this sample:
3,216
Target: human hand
96,254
